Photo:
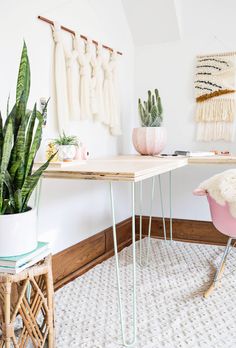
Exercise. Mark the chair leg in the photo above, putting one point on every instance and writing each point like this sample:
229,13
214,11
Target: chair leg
220,270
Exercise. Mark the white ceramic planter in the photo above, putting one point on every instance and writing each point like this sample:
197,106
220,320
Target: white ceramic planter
66,152
18,233
149,140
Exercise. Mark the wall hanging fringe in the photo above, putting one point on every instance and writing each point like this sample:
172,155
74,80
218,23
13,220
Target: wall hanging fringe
85,82
215,96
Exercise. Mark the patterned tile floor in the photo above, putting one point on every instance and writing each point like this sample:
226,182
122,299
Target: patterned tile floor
171,310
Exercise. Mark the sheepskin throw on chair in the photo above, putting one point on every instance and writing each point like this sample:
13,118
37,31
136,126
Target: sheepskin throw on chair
215,96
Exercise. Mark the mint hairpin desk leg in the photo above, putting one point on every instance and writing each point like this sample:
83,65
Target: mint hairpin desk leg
134,304
162,207
150,219
143,264
170,204
140,221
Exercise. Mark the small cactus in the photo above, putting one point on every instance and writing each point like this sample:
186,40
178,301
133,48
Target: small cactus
151,111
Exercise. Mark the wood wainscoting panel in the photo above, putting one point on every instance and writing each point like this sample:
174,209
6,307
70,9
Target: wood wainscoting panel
73,258
79,258
184,230
124,233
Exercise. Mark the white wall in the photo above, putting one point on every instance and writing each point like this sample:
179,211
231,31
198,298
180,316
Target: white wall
70,210
148,17
206,26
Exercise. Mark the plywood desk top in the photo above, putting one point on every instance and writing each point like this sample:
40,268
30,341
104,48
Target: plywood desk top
217,159
131,167
119,168
224,159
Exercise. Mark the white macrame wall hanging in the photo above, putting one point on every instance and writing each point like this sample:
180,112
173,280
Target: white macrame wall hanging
215,96
111,102
60,77
85,82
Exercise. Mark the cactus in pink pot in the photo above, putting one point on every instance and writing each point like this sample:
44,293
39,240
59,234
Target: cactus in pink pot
150,139
151,111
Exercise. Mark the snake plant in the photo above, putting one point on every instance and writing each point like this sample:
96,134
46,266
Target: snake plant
20,139
151,111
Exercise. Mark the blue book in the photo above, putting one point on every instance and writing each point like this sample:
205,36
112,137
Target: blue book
15,270
17,261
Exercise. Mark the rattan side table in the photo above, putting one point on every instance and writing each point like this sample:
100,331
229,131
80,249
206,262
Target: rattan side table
28,298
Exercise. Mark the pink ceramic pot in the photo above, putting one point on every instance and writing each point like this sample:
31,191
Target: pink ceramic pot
149,140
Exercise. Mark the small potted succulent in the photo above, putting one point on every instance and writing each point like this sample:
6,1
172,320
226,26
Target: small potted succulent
20,139
150,139
66,145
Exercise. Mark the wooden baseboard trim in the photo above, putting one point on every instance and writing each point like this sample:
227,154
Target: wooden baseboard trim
89,266
79,258
202,232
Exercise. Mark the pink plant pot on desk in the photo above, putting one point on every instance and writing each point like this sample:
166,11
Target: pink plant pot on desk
149,140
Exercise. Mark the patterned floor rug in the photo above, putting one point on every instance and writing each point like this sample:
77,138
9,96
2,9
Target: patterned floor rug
171,312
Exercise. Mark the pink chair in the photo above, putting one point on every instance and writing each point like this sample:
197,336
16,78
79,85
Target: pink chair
226,224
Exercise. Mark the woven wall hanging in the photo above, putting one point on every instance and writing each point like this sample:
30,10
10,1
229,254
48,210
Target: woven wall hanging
215,96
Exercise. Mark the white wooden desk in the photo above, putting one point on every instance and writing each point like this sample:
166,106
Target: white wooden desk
131,169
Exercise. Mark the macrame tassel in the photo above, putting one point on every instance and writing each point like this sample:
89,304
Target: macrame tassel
215,96
215,110
60,80
210,131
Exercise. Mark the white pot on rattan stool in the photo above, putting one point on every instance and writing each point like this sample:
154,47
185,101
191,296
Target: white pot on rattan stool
18,233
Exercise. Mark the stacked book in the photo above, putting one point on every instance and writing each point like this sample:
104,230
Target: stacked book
16,264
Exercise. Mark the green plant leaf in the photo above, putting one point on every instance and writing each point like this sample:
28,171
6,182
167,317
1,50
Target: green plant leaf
19,149
1,135
32,181
18,201
18,117
30,130
11,117
39,116
33,150
5,206
8,103
6,153
23,80
13,168
9,185
20,114
6,148
45,108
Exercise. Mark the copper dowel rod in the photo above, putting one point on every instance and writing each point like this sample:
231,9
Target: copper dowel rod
73,33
